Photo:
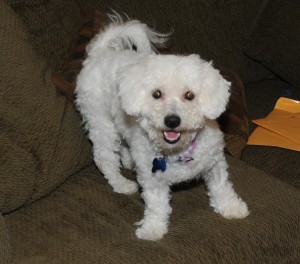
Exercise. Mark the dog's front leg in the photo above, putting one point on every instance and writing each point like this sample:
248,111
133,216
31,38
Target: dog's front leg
156,195
223,198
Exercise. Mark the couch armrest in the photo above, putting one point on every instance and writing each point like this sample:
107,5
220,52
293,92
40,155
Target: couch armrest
42,140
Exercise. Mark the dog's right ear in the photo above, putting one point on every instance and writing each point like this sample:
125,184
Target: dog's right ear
130,88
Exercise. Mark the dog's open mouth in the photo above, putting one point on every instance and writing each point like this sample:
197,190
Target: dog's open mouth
171,137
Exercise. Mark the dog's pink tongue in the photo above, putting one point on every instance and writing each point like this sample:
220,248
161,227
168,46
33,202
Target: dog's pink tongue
172,135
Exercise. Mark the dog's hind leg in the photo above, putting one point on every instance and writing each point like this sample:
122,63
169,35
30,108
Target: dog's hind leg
126,158
106,149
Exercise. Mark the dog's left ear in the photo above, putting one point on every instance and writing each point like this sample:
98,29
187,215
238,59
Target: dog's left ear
214,93
130,88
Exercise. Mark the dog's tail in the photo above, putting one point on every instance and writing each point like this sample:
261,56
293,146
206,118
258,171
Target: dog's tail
131,34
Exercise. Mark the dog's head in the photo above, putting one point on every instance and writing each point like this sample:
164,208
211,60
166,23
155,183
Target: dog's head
172,96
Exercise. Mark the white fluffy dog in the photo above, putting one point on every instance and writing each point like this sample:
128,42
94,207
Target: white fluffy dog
163,107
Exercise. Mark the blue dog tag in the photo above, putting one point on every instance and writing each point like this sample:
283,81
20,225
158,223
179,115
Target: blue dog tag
159,164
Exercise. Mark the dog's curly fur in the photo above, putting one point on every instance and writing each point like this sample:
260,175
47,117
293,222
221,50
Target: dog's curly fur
161,105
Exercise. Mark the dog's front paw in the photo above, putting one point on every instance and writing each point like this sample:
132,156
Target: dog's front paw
152,231
152,234
125,186
235,208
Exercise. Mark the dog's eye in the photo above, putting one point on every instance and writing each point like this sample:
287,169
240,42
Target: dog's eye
156,94
189,95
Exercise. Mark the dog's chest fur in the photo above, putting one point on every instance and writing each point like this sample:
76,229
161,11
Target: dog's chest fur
204,156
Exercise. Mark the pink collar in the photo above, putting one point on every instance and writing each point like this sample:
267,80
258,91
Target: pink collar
161,163
187,156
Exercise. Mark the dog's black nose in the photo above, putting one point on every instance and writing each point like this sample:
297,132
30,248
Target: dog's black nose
172,121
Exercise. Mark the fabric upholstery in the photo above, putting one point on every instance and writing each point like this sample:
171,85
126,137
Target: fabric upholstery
27,2
42,141
84,221
65,77
275,39
51,24
5,247
214,29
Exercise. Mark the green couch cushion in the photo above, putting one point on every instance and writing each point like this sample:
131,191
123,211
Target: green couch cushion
42,141
84,221
65,78
5,247
275,40
214,29
51,25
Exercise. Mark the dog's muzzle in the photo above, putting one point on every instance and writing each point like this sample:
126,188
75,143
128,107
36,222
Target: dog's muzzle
171,136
